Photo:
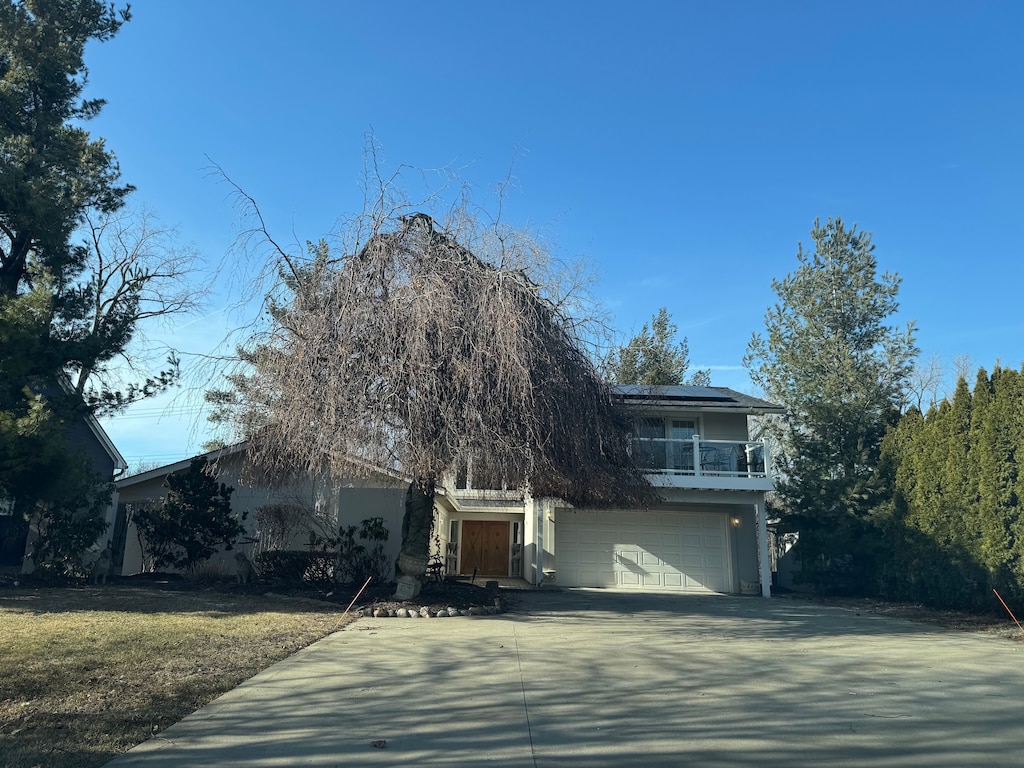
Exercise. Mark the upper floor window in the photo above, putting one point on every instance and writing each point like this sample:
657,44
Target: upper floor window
657,428
666,443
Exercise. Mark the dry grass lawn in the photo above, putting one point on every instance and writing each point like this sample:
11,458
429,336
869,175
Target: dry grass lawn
85,674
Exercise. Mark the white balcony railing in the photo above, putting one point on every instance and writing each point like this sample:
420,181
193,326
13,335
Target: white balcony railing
714,458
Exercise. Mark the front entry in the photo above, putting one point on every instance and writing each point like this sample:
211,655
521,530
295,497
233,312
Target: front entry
485,547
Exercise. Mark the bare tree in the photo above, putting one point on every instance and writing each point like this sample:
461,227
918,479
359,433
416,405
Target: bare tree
422,345
925,383
962,368
137,273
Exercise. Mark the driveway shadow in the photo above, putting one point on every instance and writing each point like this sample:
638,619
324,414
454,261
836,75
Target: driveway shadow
713,615
592,678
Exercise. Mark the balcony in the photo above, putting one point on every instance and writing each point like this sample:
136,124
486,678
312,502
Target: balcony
710,464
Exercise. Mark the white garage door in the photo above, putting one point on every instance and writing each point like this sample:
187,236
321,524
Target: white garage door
647,551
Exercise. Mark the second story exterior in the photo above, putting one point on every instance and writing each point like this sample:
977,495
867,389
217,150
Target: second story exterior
699,437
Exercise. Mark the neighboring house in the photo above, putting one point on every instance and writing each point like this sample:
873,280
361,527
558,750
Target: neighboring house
707,535
329,505
89,437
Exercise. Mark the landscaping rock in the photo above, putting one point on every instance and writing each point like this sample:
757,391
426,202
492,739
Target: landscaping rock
424,612
401,613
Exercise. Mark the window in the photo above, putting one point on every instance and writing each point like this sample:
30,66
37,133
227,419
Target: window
666,444
651,453
683,429
681,452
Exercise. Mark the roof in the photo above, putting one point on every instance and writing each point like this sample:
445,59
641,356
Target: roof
120,465
177,466
219,453
696,398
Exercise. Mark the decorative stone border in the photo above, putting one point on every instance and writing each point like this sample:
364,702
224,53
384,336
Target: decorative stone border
425,612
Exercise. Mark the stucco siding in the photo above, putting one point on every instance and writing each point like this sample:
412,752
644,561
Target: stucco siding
340,504
724,426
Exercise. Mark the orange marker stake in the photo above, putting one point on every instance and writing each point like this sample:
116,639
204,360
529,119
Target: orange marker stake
371,578
1009,612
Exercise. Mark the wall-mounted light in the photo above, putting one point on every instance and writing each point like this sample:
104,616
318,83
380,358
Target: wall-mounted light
734,520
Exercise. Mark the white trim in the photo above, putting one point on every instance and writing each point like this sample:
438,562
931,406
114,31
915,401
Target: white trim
762,550
710,482
541,509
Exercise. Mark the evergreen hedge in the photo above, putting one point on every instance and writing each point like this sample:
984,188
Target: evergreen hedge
953,528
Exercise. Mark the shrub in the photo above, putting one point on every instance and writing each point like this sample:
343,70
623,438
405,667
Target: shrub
358,562
275,524
66,534
191,522
287,565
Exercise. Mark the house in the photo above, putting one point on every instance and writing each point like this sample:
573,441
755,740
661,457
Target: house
88,437
707,535
324,506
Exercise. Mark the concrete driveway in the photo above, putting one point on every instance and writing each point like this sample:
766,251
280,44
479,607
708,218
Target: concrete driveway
592,678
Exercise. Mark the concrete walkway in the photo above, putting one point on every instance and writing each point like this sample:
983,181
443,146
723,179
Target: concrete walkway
591,678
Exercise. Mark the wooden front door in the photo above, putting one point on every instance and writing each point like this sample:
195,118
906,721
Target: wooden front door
485,547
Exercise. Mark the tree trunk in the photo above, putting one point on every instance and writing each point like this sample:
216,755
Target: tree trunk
416,527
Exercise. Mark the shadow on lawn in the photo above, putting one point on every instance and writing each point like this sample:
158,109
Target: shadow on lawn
170,593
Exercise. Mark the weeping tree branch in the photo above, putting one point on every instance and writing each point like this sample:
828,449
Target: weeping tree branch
424,345
414,352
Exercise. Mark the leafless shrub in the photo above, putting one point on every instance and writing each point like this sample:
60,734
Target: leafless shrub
276,524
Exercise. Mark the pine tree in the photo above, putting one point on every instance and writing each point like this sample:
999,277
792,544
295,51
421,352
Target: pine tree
831,358
654,357
999,511
52,174
52,171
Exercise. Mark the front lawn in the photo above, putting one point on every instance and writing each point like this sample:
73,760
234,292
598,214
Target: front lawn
86,673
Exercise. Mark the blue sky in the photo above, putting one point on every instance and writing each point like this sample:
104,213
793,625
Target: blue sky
683,148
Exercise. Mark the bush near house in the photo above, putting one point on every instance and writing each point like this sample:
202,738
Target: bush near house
351,557
191,522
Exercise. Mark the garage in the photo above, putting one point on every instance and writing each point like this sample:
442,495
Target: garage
650,551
